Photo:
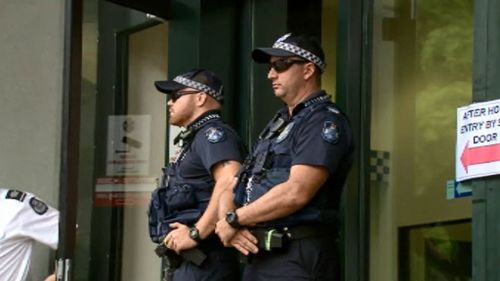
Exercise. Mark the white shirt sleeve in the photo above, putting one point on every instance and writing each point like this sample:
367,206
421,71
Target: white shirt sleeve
40,221
23,220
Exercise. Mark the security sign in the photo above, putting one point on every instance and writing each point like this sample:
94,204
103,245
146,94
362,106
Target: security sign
128,145
478,140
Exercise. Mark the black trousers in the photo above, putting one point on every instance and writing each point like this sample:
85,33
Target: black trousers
221,264
312,258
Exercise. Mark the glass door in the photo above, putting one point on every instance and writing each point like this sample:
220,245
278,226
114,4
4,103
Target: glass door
123,139
422,70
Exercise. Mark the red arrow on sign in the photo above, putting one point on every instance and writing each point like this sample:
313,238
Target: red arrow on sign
480,155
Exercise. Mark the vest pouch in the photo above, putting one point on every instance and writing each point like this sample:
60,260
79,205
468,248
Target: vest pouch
180,197
156,214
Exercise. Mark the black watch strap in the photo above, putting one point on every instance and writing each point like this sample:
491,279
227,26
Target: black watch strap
194,234
232,219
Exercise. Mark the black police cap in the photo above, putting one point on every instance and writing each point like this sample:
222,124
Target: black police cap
200,79
292,45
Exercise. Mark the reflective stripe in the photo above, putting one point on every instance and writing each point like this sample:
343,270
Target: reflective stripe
269,236
301,53
216,94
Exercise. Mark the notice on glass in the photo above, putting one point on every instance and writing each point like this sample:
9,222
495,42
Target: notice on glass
128,145
478,140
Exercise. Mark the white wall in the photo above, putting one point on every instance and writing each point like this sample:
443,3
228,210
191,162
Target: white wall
31,58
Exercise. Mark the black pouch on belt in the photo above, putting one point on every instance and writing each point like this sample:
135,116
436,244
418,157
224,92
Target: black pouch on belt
269,239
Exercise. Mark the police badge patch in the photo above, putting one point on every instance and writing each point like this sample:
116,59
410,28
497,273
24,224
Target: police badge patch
38,206
215,134
285,132
330,132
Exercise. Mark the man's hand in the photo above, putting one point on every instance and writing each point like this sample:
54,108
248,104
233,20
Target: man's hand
245,242
225,232
178,238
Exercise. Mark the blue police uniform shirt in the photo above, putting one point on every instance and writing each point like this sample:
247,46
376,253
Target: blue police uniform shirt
322,140
213,143
317,134
190,183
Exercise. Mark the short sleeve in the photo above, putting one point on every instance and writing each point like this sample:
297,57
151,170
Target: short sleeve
322,140
40,222
216,144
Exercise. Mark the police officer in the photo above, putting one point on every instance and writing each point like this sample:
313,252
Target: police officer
24,219
286,201
186,203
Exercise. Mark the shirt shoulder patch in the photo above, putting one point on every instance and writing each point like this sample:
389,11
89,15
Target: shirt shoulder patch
330,132
16,195
215,134
38,206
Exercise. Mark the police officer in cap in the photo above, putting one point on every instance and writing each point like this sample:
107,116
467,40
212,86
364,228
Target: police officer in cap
284,208
186,202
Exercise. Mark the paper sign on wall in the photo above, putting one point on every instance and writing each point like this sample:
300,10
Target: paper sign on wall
128,145
478,140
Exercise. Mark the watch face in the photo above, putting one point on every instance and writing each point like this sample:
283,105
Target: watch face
194,233
232,219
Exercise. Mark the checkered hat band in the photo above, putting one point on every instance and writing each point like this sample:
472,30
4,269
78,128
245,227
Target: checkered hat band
301,53
199,86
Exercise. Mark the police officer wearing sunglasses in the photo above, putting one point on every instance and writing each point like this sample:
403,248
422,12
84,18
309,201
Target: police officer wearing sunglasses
282,215
183,209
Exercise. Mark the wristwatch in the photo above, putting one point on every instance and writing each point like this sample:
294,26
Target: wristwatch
232,219
194,234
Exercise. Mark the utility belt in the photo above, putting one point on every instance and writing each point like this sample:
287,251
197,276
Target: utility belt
276,238
271,239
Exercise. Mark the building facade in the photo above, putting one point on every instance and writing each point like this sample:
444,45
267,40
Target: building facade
84,128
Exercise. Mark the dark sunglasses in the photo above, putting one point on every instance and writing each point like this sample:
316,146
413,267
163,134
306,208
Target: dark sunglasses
284,64
175,96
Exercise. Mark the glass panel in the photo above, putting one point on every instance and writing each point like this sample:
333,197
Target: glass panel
147,111
437,252
127,157
422,70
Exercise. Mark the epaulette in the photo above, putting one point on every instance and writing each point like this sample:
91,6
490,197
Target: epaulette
16,195
333,110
